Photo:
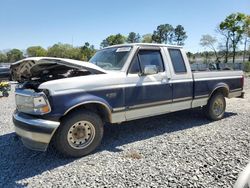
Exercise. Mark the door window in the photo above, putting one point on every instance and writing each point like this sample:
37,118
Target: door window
146,57
151,57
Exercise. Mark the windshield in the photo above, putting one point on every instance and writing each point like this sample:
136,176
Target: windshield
111,58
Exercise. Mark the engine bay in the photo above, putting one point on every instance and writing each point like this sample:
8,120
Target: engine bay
33,71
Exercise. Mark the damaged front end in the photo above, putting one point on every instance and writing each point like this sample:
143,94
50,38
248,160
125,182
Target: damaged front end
33,103
31,72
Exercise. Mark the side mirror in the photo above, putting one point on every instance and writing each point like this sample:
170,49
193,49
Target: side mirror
150,69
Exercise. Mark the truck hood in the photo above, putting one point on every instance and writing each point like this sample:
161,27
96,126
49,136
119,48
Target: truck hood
34,66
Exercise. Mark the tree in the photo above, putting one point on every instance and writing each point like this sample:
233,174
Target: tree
3,57
233,25
147,38
179,35
64,51
209,42
113,40
68,51
163,34
133,37
14,55
87,51
191,57
246,34
225,45
36,51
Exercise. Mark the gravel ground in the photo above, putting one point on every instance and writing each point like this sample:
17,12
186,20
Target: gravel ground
181,149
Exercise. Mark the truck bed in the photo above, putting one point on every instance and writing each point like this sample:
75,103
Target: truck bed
206,82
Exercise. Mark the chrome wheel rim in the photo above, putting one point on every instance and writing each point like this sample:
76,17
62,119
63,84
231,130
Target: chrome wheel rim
81,134
218,106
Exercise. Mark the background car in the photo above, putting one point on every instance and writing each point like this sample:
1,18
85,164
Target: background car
5,73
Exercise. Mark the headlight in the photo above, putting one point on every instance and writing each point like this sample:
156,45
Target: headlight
41,106
35,103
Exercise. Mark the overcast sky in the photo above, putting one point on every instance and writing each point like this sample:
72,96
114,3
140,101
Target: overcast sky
26,23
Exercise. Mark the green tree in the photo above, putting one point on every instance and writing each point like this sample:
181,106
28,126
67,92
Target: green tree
207,41
3,57
147,38
87,51
113,40
36,51
246,34
225,45
14,55
191,57
163,34
64,51
179,35
233,25
133,37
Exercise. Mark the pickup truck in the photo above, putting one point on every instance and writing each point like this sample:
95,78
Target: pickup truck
66,102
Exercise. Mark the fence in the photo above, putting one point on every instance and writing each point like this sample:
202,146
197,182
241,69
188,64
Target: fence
218,66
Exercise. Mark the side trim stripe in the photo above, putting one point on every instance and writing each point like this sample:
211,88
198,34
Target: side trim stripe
119,109
150,104
216,78
182,99
201,96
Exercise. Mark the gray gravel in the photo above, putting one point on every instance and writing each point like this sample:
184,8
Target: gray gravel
173,150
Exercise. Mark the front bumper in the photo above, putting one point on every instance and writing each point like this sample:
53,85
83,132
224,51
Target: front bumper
35,133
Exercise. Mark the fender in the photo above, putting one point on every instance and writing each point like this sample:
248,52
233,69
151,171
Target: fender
218,86
64,103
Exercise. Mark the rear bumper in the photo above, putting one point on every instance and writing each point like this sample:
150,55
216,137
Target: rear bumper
35,133
242,95
238,94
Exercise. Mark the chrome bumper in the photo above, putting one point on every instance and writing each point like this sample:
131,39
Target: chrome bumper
35,133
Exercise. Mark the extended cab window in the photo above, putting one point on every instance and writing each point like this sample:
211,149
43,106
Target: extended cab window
177,61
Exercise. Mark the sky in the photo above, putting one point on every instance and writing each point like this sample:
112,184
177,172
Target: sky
25,23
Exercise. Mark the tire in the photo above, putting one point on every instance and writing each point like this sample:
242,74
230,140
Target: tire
79,134
216,107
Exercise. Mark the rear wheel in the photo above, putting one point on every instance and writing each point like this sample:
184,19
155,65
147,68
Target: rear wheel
79,133
216,106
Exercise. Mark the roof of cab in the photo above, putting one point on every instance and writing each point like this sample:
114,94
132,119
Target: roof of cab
145,44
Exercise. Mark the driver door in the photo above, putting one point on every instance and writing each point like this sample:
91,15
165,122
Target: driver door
147,94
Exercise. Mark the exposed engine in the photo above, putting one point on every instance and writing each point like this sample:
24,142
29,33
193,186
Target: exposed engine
44,73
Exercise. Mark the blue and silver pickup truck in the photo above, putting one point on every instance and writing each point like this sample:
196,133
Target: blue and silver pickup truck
68,101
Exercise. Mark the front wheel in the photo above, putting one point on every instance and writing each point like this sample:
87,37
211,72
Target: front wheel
216,107
79,134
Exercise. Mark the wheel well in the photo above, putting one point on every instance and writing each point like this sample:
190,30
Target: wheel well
97,108
223,90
